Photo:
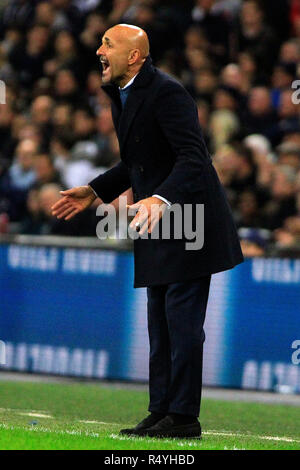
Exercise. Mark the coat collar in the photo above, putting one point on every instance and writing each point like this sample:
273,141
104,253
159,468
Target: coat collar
136,96
144,76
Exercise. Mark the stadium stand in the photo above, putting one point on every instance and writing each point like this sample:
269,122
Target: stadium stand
238,59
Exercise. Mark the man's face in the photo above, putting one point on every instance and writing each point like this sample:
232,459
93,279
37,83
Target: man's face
25,154
259,101
281,187
48,197
43,168
251,14
114,55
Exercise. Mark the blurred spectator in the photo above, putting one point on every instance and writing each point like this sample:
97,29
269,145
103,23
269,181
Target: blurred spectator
60,148
111,153
67,15
61,118
288,113
277,17
290,52
255,36
224,124
6,139
16,182
295,17
28,60
283,202
84,124
224,163
263,158
234,77
64,55
66,88
17,14
45,171
204,85
292,134
288,109
41,110
48,196
227,97
104,123
253,241
41,116
215,28
282,78
260,116
45,14
80,168
289,155
86,5
95,27
21,173
249,70
244,176
32,220
248,209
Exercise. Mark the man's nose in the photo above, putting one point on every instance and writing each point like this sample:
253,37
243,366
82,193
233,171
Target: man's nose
99,51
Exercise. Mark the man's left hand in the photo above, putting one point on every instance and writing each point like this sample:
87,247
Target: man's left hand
150,211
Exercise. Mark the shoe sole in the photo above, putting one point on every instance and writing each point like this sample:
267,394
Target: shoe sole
161,436
174,436
129,432
178,433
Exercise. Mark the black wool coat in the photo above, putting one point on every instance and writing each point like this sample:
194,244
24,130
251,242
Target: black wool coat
163,152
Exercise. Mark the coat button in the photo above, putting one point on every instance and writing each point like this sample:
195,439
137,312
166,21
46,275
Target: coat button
137,139
141,169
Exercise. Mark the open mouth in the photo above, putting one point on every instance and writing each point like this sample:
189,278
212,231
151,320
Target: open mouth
105,64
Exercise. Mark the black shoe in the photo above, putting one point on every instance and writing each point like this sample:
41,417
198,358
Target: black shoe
139,429
168,427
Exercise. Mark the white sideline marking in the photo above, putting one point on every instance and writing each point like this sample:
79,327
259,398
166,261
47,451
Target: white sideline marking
36,415
99,422
52,431
30,413
232,434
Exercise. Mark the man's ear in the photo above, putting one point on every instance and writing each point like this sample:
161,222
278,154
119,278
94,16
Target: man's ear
133,56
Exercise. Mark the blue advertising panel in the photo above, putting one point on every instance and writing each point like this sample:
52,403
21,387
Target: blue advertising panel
262,326
65,310
72,311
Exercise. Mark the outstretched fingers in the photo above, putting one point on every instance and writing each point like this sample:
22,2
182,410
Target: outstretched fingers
65,211
60,205
71,215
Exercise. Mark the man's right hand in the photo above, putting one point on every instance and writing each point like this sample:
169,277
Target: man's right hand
74,200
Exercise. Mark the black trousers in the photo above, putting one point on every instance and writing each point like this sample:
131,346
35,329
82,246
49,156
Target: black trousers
176,314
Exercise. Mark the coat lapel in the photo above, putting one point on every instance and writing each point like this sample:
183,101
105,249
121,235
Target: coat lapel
116,109
138,92
133,103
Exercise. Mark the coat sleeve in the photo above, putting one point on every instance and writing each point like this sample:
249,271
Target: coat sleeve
112,183
177,116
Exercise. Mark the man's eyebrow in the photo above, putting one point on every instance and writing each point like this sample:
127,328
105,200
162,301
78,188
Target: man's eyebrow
107,40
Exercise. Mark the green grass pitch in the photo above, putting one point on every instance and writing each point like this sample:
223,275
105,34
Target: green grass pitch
88,416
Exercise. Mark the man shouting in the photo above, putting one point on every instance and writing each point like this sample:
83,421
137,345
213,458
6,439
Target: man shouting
165,161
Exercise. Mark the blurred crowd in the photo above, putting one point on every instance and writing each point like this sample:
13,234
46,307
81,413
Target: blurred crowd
239,59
